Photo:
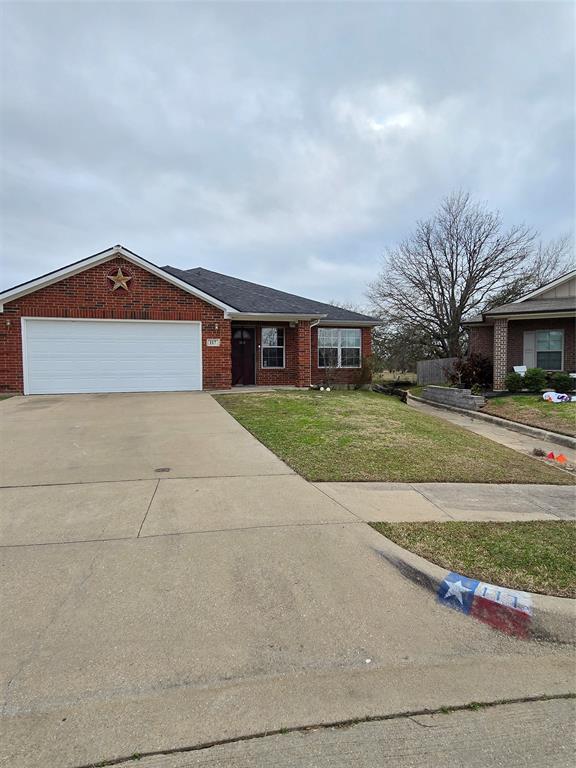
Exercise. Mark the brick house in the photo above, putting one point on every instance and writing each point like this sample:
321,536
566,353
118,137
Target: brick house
114,322
537,331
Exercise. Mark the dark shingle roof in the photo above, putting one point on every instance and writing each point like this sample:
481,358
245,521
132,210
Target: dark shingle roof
474,319
528,306
245,296
535,305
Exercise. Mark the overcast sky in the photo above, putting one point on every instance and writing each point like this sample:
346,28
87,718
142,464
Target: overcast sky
288,144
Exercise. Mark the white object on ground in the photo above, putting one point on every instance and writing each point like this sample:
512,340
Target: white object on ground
327,389
556,397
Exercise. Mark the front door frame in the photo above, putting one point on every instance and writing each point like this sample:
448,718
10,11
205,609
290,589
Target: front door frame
248,328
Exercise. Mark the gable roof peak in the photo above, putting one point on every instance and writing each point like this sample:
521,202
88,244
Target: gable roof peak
30,286
571,274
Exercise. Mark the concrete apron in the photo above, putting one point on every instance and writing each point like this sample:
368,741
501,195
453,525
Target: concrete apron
144,615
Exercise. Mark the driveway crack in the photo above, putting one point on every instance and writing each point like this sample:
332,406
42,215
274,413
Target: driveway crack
148,509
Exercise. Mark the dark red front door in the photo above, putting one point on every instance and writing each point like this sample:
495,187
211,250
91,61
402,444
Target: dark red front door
243,356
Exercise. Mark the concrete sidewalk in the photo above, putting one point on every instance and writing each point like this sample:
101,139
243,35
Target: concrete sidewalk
538,734
414,502
509,437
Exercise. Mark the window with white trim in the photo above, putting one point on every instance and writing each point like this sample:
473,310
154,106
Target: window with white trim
550,350
339,347
273,347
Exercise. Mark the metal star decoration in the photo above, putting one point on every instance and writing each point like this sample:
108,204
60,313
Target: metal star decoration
120,280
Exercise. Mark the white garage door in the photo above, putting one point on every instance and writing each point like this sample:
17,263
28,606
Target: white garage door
62,356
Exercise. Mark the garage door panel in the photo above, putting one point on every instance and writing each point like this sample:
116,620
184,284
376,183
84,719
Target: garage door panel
111,356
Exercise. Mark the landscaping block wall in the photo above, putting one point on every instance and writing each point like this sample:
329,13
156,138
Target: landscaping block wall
458,398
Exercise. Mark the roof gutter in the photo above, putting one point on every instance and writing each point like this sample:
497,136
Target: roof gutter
273,316
349,323
544,313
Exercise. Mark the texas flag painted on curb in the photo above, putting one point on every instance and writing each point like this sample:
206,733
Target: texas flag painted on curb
508,610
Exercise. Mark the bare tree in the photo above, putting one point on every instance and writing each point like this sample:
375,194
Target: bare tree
548,261
453,265
396,348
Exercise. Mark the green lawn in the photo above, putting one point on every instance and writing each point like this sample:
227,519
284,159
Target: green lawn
532,556
346,435
531,409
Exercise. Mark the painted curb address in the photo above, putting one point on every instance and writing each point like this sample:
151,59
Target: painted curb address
521,614
508,610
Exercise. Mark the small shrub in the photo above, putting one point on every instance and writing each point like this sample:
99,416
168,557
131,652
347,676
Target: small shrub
473,370
364,376
562,382
514,382
330,371
535,379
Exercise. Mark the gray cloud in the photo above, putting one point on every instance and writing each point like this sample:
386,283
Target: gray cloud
285,143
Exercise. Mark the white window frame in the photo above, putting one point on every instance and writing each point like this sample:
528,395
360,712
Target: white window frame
267,346
339,348
549,330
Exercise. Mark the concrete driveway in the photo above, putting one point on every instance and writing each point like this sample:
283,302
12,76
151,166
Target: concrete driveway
168,582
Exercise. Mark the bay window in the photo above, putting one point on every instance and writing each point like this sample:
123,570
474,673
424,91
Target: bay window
339,347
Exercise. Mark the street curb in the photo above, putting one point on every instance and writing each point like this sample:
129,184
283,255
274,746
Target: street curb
553,618
514,426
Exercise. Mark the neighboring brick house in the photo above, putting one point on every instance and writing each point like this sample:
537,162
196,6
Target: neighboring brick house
537,331
114,322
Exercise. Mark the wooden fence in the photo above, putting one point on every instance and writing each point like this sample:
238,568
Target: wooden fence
434,371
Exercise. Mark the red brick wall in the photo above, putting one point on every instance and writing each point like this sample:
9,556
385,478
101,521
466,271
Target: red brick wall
481,340
341,375
303,353
272,377
88,294
516,330
296,371
301,347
